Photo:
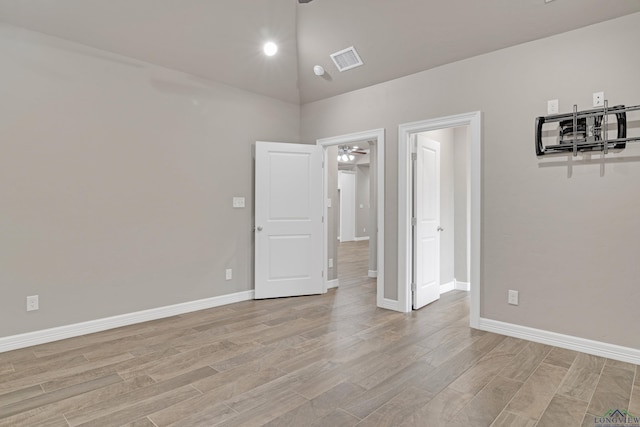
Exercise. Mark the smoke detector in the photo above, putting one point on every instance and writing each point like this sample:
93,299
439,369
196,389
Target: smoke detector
346,59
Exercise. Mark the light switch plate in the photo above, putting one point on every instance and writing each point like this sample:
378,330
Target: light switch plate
238,202
552,106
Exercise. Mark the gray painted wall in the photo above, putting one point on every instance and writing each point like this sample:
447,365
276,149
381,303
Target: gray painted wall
564,232
116,182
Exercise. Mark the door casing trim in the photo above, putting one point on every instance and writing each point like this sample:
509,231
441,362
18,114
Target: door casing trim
405,131
378,136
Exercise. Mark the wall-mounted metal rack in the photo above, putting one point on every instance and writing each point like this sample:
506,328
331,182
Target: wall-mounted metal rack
586,130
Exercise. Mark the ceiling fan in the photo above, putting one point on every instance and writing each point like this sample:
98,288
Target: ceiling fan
304,1
346,153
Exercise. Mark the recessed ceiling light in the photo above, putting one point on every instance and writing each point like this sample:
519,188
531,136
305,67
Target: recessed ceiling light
270,48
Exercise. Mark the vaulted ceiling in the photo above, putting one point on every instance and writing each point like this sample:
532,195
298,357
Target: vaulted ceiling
222,39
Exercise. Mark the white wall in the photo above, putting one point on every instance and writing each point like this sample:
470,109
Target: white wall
116,182
333,222
347,223
362,201
567,238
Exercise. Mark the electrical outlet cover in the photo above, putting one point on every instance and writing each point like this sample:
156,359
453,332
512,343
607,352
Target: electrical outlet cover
598,99
33,303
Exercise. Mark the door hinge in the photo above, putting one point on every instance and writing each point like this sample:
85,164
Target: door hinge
414,156
413,287
322,273
414,221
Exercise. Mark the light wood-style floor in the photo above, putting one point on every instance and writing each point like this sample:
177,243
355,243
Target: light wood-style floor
331,360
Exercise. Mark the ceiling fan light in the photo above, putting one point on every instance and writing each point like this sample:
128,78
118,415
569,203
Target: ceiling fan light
351,157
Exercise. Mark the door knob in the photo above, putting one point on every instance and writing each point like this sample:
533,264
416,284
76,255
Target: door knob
259,228
440,228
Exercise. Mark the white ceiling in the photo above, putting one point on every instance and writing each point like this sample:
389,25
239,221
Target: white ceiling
222,39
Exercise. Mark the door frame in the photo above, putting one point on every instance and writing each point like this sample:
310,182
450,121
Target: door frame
378,145
405,131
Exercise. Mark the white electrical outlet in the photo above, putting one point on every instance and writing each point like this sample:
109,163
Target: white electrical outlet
598,99
328,203
33,303
513,297
238,202
330,262
228,274
552,106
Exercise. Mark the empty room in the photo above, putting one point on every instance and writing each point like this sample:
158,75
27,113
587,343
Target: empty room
319,213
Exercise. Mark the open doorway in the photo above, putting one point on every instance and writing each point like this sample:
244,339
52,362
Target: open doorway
375,230
407,135
353,264
440,213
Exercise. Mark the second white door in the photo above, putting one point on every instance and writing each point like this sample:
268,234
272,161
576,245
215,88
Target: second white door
427,222
288,215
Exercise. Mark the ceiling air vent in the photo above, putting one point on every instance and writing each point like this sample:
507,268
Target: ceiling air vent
346,59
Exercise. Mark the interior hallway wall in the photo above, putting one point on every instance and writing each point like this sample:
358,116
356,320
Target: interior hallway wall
362,201
333,222
567,237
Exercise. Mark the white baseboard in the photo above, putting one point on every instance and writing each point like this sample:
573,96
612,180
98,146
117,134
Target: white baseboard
360,239
597,348
390,304
333,283
29,339
373,273
447,287
462,286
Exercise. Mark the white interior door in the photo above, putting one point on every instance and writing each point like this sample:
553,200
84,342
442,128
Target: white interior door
427,219
288,220
347,186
